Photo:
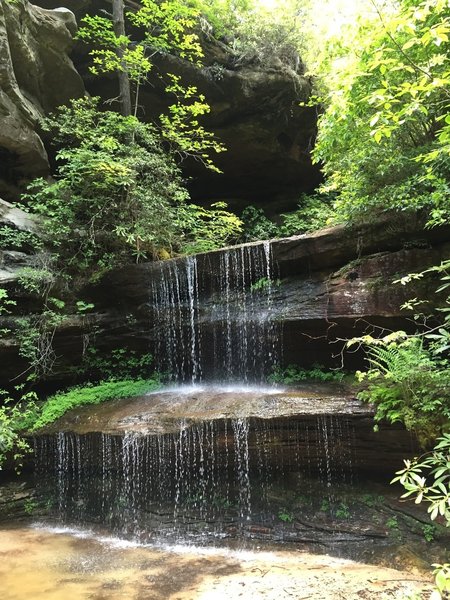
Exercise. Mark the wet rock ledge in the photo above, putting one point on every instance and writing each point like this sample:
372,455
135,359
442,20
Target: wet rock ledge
296,420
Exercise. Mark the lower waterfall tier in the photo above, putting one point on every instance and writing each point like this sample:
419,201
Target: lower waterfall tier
314,419
171,409
210,460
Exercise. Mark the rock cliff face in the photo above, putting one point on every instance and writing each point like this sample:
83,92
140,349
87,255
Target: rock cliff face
334,284
255,109
36,76
256,113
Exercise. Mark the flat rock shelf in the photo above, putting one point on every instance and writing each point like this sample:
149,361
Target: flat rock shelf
164,411
299,425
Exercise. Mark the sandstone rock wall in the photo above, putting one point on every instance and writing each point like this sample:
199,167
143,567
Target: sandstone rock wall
36,76
256,113
334,284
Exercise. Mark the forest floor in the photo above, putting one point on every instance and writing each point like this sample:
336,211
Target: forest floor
57,564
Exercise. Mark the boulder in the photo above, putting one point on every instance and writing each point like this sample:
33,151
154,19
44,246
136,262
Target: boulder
36,76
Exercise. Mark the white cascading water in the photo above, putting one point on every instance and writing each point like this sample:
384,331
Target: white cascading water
214,325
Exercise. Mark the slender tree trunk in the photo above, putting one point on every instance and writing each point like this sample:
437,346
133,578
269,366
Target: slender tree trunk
124,80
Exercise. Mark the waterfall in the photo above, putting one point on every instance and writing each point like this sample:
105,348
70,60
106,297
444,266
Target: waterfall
241,428
199,480
213,316
213,321
174,296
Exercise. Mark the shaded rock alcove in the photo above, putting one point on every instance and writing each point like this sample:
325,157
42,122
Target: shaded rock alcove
255,109
256,113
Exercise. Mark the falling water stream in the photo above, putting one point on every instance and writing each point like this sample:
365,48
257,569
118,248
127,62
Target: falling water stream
203,479
217,319
170,494
201,476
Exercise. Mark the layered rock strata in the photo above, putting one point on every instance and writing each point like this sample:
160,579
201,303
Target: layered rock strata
333,285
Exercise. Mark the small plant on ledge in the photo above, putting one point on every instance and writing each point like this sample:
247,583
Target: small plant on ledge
294,374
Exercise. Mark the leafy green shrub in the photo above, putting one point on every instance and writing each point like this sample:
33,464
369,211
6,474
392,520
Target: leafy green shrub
55,406
118,364
15,418
256,226
442,579
384,136
429,532
15,239
325,505
313,213
203,230
294,374
285,516
267,37
5,301
372,500
220,17
342,511
35,334
392,523
118,195
255,33
407,384
36,280
112,197
427,477
264,283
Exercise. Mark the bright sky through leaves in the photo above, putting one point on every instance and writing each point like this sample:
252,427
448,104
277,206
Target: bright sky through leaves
328,16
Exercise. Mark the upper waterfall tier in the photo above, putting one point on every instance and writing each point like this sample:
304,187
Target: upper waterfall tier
323,288
216,319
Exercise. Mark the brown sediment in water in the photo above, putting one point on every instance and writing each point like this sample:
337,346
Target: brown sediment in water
39,564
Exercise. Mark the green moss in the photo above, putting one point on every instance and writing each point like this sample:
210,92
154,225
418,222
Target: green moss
350,266
57,405
376,283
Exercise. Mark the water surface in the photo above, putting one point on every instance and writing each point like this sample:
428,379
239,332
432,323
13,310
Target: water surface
62,564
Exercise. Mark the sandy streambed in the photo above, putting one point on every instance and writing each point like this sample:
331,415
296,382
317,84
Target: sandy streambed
58,564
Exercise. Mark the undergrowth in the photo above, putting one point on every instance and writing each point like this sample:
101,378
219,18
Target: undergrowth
55,406
294,374
407,383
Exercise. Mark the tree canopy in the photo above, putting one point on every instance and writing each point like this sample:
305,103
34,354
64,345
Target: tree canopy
384,134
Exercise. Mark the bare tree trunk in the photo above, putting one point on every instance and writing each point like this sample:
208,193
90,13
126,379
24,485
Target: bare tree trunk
124,80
